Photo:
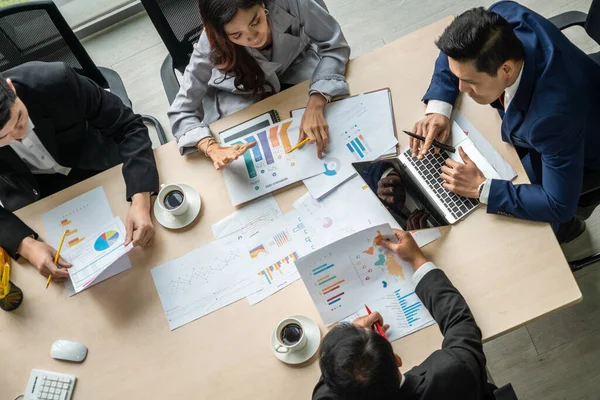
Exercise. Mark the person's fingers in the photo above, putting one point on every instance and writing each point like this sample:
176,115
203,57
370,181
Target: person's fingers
451,163
389,199
427,145
137,235
463,154
324,137
448,186
389,245
129,231
446,177
248,146
446,170
385,327
63,263
414,143
55,271
375,317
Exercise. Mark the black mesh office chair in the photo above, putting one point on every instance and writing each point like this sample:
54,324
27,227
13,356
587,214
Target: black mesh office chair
179,25
590,193
37,31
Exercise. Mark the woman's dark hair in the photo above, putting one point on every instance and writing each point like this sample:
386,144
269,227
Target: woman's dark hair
233,60
359,364
481,36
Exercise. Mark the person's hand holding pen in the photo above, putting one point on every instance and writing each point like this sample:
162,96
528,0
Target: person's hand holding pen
369,321
433,126
41,256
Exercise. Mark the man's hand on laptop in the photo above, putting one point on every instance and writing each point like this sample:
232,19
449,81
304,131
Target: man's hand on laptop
462,179
433,126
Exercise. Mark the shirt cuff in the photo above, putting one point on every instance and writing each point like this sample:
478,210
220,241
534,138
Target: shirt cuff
188,141
422,271
439,107
485,192
330,85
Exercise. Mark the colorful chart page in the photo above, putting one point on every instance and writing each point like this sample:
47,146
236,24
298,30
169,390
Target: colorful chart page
269,165
273,252
361,128
343,276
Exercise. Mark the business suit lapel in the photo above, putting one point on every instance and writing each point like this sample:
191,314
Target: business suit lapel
413,379
286,46
517,109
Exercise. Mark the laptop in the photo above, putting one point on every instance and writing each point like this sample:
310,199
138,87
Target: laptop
427,204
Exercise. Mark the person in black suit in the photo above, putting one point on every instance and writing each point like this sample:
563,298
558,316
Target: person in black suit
357,363
58,128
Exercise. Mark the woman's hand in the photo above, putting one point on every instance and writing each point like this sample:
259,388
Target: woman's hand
313,125
223,155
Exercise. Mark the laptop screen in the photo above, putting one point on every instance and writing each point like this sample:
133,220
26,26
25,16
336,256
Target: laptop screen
400,194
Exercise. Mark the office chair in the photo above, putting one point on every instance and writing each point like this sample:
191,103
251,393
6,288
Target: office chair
179,25
37,31
590,192
505,392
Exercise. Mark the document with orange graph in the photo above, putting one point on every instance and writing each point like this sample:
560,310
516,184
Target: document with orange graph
269,165
344,276
95,249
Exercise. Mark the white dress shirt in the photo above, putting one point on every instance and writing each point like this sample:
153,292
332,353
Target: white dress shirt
31,150
441,107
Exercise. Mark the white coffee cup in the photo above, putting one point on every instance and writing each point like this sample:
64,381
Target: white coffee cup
290,325
170,202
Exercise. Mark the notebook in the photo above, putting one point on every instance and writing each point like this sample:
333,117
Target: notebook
262,121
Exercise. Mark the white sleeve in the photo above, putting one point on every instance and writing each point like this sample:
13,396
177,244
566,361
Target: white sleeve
485,192
439,107
422,271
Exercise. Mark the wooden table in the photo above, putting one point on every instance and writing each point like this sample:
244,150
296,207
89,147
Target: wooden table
510,272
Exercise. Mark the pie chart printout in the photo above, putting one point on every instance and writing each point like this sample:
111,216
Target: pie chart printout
106,240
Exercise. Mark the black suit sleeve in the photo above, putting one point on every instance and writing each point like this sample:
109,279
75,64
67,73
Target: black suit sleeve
12,232
462,336
107,113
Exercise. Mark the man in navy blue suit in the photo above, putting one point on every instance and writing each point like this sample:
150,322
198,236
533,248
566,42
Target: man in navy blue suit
547,92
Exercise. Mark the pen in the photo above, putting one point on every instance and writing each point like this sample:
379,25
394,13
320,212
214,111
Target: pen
62,240
302,143
381,332
435,142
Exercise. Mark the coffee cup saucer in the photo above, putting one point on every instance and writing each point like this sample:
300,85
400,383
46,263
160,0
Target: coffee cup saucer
313,336
180,221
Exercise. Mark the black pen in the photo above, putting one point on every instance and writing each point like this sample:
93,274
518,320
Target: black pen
435,142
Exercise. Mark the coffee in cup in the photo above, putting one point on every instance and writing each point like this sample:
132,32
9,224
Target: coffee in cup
290,336
171,198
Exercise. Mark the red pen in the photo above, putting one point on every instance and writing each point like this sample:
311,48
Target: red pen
381,332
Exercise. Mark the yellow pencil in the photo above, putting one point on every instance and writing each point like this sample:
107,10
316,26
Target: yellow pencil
62,240
302,143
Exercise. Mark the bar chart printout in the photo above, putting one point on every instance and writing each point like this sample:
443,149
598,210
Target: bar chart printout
269,165
284,241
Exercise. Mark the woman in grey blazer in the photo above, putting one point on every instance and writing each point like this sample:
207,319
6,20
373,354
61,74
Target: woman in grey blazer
250,50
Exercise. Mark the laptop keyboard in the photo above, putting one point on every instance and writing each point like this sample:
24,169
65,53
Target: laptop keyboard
430,168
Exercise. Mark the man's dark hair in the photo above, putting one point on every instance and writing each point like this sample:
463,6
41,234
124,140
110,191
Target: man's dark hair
481,36
7,99
359,364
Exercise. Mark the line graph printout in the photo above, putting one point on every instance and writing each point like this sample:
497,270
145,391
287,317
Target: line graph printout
274,251
345,275
249,219
269,166
202,281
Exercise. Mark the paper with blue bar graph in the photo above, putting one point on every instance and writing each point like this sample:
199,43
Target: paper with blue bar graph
269,166
344,276
361,128
274,250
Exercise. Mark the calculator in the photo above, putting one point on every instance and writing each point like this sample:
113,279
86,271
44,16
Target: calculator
46,385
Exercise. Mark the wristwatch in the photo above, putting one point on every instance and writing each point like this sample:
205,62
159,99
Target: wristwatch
480,189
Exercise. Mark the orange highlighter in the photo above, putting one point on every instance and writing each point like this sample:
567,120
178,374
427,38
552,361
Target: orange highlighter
379,329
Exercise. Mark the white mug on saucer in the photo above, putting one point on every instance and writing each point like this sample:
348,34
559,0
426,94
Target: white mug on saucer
291,336
171,199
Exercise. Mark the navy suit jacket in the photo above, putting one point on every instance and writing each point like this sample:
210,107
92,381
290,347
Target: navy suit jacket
555,113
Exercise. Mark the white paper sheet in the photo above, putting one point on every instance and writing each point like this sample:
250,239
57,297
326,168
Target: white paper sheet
267,166
80,217
489,153
273,251
350,208
344,276
361,128
202,281
248,220
401,308
95,254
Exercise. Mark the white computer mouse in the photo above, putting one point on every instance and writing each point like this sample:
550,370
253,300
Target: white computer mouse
68,351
